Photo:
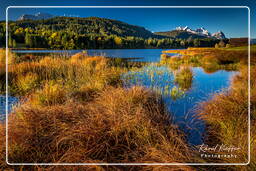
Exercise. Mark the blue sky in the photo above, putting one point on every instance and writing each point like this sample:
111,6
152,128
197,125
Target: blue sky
232,21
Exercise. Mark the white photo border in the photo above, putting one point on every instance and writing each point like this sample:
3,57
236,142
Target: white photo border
130,164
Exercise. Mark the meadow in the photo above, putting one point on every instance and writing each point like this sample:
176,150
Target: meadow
77,109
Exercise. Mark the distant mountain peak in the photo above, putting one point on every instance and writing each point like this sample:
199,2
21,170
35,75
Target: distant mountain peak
37,16
219,35
186,32
202,32
183,28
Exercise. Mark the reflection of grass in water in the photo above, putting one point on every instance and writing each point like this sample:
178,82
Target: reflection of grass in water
158,78
184,78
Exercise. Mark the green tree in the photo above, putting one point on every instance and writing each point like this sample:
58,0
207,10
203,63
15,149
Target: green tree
118,41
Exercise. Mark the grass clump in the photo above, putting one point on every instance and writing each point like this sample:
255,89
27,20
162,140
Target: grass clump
184,78
51,94
26,83
119,125
75,111
227,118
211,59
72,73
11,58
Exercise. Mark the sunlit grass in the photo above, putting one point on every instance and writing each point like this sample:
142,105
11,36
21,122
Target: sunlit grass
209,58
119,125
76,111
227,117
184,78
26,77
160,79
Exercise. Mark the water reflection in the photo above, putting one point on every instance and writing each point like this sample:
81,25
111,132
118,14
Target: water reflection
160,79
181,89
184,77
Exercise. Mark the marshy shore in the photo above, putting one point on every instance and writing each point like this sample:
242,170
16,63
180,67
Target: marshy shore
76,110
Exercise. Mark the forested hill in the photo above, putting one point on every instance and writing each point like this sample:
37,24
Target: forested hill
179,34
89,26
88,33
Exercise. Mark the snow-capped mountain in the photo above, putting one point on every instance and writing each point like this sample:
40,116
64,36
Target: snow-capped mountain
37,16
202,32
219,35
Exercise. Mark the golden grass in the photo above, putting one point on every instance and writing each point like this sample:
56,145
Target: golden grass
51,94
11,57
184,77
210,58
26,77
119,125
227,118
75,111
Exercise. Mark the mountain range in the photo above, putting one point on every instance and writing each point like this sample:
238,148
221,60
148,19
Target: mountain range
186,32
104,26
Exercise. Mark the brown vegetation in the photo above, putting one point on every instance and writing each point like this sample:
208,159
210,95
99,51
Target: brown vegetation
117,126
227,118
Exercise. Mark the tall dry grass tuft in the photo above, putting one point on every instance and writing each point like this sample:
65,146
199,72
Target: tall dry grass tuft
119,125
227,117
11,57
11,61
26,82
51,94
73,73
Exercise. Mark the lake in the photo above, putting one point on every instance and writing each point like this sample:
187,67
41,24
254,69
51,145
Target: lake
161,80
11,102
143,55
204,85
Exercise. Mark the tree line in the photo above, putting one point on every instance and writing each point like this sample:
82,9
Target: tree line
93,33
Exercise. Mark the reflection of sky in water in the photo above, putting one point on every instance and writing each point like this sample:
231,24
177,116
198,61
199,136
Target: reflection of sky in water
203,87
11,102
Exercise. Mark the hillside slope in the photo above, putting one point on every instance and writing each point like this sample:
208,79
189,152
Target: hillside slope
89,25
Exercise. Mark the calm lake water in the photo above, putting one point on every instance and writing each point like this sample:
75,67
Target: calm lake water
143,55
204,85
161,80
